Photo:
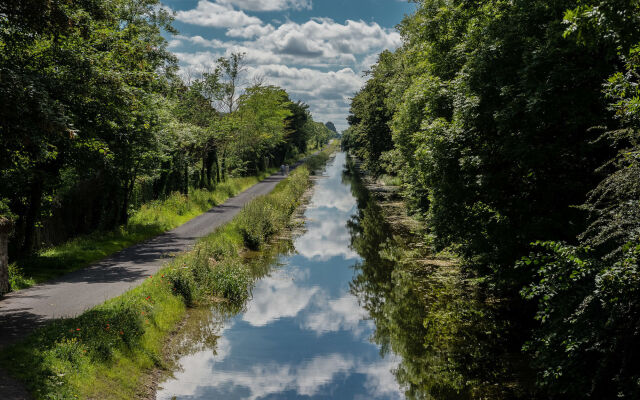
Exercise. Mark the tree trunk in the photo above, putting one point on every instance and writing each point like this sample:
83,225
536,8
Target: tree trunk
216,163
203,171
35,203
211,161
223,166
129,185
186,179
5,229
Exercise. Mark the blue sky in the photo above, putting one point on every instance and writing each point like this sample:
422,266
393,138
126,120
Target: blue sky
315,49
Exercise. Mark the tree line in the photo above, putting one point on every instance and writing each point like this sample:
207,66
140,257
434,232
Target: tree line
514,128
95,118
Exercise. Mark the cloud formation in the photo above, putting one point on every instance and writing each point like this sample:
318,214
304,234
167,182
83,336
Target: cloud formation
216,15
269,5
277,296
319,61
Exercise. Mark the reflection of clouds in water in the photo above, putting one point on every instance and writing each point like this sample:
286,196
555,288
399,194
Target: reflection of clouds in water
223,348
281,295
380,379
342,200
339,314
267,379
325,238
277,296
331,205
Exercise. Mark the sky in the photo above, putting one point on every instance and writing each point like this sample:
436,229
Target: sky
315,49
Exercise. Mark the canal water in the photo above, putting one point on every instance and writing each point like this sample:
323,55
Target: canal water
303,334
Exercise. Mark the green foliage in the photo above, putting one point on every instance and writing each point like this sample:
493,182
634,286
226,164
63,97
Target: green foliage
106,351
96,122
72,357
369,135
588,310
150,220
264,216
500,130
428,311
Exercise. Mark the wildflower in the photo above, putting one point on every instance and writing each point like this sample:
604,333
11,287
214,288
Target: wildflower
77,329
122,333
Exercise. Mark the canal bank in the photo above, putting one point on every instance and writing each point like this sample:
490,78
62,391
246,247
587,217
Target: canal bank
107,351
356,306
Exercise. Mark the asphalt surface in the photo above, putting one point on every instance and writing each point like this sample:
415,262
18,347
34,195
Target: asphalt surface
68,296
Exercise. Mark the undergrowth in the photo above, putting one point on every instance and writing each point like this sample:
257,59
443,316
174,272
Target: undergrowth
150,220
107,351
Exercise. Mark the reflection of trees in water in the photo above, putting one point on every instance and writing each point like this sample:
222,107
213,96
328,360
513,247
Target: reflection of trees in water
452,346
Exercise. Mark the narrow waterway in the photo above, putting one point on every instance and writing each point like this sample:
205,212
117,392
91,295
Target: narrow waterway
303,334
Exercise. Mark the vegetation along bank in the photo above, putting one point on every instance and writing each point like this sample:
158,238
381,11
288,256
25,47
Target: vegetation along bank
108,351
104,142
512,127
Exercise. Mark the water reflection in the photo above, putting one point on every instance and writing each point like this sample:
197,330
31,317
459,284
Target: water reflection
303,334
450,342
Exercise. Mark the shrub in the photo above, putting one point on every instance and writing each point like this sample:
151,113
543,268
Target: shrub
256,222
231,280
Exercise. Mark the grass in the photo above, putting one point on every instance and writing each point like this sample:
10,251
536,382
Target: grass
107,352
150,220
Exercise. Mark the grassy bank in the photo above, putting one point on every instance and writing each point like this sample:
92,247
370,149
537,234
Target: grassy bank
150,220
106,352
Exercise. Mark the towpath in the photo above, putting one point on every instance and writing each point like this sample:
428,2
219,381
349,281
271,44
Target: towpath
23,311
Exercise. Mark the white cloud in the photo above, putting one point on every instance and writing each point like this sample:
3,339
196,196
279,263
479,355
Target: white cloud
199,40
264,379
325,239
250,31
269,5
380,379
216,15
319,61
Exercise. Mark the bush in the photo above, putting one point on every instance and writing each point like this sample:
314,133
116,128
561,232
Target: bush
266,215
588,342
256,222
231,280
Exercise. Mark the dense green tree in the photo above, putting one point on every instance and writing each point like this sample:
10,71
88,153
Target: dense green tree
369,117
76,85
501,129
588,308
330,125
94,120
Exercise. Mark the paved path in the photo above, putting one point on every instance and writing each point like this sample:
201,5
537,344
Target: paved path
23,311
71,294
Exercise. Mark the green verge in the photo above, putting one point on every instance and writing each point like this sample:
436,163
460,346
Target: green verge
106,352
150,220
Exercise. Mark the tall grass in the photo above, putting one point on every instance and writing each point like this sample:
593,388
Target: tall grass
106,352
151,219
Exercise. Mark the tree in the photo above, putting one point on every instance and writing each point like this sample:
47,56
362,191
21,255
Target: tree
370,117
331,127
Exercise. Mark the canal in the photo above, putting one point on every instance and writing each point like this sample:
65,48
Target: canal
351,308
303,334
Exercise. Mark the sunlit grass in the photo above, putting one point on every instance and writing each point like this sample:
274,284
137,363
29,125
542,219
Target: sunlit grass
108,351
151,219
